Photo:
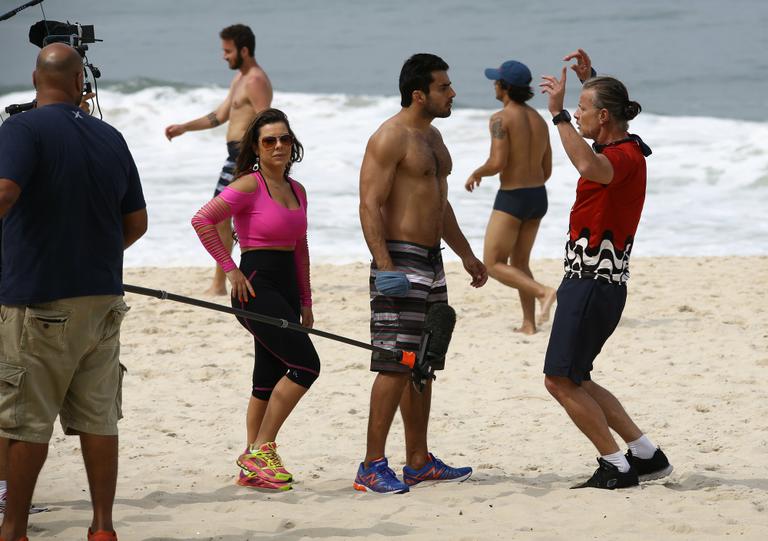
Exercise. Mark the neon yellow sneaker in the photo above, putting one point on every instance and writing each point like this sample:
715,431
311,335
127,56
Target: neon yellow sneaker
265,463
252,480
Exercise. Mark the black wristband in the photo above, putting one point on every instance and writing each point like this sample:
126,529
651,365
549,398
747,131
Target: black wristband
562,116
592,73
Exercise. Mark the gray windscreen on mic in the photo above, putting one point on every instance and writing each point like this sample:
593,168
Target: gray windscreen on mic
439,322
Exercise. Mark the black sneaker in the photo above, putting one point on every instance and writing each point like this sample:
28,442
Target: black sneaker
609,477
649,469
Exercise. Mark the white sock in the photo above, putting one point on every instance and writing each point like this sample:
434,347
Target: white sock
618,460
642,447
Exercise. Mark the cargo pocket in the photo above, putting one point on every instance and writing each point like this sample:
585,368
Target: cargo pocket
119,399
385,328
111,337
44,330
11,378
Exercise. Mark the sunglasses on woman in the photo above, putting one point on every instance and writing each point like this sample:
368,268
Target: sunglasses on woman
269,142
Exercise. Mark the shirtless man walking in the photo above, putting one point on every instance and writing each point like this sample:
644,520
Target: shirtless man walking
520,151
249,93
404,212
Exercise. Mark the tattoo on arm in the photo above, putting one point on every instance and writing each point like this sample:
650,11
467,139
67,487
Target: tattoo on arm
497,132
213,120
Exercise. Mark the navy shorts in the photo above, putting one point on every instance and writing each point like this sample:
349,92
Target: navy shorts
227,174
523,203
587,313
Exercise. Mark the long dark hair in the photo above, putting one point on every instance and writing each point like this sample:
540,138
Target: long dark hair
612,95
247,158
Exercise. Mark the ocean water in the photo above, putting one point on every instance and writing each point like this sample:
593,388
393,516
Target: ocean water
707,177
698,68
690,57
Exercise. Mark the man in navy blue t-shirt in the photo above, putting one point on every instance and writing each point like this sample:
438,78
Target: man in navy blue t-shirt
71,202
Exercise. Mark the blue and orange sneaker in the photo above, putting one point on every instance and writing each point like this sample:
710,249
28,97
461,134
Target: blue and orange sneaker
435,471
378,477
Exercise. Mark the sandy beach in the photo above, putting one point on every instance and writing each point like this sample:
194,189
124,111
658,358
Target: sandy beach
689,360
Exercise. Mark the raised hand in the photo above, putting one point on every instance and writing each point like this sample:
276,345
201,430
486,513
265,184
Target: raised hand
583,65
556,89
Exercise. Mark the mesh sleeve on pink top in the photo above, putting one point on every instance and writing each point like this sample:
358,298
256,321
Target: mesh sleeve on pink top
237,201
204,222
301,259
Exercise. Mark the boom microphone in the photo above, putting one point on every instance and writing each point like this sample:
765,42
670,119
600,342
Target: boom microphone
435,338
15,11
407,358
436,335
439,324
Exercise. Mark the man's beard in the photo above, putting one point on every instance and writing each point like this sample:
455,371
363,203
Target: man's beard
434,112
238,62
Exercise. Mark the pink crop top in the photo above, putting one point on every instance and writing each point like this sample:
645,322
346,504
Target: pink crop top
260,222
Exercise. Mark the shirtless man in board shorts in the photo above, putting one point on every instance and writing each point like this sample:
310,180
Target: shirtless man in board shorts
249,93
520,152
404,212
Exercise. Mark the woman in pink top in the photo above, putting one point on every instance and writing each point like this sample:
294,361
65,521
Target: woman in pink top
270,214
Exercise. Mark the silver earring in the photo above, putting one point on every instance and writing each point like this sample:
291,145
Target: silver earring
255,165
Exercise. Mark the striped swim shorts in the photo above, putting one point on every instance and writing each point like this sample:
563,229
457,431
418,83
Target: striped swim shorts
227,174
397,322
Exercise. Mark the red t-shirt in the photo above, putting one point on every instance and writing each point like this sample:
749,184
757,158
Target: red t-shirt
604,218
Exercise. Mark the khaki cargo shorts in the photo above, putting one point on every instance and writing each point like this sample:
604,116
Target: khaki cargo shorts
61,358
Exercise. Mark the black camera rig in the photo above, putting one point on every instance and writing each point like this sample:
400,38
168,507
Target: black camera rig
77,36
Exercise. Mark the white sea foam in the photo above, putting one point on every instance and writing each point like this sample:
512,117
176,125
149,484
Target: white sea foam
707,178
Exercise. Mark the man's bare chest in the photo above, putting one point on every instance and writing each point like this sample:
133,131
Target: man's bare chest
240,96
427,159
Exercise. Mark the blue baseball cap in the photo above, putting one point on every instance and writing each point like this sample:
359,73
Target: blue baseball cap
511,72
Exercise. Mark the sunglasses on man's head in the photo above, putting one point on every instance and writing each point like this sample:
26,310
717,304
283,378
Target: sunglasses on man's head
270,141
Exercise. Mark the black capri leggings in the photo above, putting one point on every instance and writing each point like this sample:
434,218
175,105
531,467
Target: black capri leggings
278,352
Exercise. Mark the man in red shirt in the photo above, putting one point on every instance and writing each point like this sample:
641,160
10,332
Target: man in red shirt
609,200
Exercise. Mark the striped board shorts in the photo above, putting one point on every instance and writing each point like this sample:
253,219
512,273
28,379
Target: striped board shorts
397,322
227,174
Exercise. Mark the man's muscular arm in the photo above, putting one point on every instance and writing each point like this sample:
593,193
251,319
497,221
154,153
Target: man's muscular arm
456,240
211,120
499,153
377,176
